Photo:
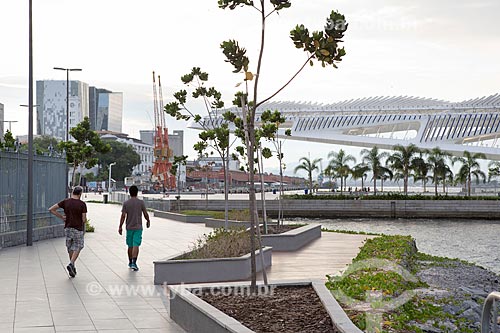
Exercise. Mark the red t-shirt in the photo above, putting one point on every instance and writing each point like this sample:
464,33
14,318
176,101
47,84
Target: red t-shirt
73,209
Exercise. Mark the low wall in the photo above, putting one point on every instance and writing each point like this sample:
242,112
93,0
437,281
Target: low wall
216,223
294,239
19,237
157,204
181,217
469,209
172,271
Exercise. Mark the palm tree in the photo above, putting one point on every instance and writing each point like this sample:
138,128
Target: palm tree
339,163
330,174
403,162
470,167
308,166
437,163
421,171
385,174
373,159
360,172
493,169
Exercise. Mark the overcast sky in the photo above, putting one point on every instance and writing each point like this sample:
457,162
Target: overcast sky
429,48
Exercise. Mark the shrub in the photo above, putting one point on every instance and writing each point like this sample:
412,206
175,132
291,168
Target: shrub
220,243
89,227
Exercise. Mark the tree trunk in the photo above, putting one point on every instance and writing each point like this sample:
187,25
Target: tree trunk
262,189
226,189
252,204
469,183
435,186
280,203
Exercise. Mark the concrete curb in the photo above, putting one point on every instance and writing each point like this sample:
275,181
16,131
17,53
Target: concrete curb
173,271
294,239
196,316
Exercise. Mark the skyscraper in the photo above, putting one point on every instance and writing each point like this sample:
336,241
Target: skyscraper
105,110
51,110
1,120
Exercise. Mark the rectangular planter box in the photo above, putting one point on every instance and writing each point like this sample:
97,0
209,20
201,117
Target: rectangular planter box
196,316
181,217
172,271
294,239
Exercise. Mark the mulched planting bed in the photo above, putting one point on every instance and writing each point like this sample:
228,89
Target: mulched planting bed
286,309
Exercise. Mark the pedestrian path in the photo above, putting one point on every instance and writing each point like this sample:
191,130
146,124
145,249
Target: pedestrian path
37,295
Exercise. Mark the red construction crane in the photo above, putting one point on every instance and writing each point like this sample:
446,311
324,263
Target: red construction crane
161,175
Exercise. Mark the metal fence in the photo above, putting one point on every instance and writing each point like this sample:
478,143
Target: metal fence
49,187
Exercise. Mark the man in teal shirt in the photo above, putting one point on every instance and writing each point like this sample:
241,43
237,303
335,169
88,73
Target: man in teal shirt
132,211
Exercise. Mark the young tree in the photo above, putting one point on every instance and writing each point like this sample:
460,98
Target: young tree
83,151
321,46
403,161
470,168
8,140
176,171
270,124
215,130
309,167
340,165
125,157
45,144
372,158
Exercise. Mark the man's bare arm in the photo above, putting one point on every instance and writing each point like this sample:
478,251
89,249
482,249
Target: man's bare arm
54,211
122,219
146,216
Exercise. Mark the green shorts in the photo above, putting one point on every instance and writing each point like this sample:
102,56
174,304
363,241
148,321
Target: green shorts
134,237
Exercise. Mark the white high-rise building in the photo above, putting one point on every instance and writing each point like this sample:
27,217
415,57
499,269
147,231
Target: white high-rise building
1,121
51,110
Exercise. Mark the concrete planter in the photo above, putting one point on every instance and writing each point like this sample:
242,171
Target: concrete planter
294,239
173,271
181,217
195,315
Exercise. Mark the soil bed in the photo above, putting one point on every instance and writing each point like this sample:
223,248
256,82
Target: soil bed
286,309
275,230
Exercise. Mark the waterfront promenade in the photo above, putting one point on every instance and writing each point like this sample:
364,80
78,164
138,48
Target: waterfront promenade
38,296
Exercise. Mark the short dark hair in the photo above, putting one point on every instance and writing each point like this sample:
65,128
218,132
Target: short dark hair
133,190
77,190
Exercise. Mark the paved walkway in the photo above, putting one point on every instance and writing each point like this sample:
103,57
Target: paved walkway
36,294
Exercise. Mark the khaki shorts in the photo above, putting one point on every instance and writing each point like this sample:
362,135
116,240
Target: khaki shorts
74,239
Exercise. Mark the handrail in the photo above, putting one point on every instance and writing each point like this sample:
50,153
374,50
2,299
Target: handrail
489,308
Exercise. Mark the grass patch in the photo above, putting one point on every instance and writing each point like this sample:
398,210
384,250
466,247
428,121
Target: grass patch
360,283
351,232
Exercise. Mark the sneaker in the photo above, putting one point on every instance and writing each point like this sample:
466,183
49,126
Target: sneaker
134,267
71,270
129,265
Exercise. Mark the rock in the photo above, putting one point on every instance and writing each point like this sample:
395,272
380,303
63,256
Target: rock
471,315
428,328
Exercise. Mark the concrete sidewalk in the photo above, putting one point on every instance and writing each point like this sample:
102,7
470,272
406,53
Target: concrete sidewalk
38,296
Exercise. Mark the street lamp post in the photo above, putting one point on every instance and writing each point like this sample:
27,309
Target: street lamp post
67,94
67,112
109,184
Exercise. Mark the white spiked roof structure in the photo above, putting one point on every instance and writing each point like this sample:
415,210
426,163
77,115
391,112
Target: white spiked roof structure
382,103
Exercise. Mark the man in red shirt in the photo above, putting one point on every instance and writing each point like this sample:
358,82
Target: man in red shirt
75,216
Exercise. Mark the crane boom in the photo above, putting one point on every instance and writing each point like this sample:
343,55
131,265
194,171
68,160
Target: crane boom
161,174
